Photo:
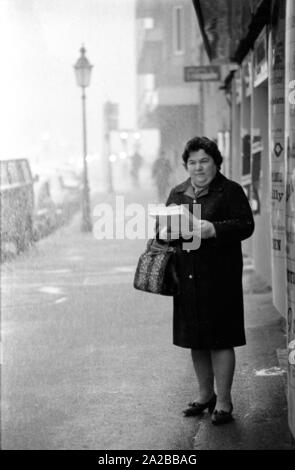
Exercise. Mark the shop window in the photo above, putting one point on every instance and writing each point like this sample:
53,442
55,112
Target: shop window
13,173
26,171
246,154
260,59
256,183
21,174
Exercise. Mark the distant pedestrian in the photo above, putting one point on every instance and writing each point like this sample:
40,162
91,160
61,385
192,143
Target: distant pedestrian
208,313
136,164
161,172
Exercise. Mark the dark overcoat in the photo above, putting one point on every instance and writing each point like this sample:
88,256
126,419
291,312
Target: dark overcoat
208,313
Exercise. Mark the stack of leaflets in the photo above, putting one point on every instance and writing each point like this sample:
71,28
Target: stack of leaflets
176,219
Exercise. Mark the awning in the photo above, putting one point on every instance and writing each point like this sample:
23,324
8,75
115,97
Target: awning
230,27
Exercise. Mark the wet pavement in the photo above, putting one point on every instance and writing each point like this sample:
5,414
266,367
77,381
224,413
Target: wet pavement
88,362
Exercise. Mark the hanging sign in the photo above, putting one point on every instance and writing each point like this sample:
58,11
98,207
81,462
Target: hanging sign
202,73
260,59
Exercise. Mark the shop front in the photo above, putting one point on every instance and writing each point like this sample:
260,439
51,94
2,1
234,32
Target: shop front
262,144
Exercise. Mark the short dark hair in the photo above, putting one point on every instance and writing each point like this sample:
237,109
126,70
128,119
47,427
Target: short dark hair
209,146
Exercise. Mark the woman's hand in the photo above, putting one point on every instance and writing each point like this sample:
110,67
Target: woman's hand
201,228
207,229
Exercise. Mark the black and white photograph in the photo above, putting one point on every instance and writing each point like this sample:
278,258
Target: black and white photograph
147,229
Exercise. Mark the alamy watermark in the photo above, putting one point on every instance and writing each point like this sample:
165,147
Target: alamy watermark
136,222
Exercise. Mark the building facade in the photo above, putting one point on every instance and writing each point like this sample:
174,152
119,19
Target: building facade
250,112
167,40
257,39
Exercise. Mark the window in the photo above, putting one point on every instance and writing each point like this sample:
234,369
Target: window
21,175
26,171
178,30
4,181
13,175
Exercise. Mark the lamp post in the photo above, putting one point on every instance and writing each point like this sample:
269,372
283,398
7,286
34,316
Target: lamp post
83,73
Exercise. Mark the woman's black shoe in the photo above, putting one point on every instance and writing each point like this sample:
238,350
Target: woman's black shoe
196,408
222,417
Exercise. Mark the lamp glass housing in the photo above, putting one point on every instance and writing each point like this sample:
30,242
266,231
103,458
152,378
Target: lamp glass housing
83,70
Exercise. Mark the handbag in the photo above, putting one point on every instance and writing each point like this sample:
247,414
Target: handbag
155,272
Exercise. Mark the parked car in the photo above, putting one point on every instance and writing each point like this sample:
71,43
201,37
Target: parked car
57,197
46,215
17,202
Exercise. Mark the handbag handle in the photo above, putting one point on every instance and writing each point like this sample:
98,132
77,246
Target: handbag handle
154,247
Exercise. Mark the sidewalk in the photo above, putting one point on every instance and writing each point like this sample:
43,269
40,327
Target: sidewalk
259,389
113,378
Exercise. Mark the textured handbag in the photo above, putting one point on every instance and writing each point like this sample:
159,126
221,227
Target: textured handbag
156,271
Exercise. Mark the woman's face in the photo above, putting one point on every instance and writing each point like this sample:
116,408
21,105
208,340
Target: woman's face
201,167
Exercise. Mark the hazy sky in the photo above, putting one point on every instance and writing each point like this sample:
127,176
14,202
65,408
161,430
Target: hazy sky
40,108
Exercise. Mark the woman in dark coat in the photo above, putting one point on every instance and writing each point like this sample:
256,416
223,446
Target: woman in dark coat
208,312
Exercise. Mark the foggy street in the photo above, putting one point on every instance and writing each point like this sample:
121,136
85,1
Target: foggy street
108,109
88,361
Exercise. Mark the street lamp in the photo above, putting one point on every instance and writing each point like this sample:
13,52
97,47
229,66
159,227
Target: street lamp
83,73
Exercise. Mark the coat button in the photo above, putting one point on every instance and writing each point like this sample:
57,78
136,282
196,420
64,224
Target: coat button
190,276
